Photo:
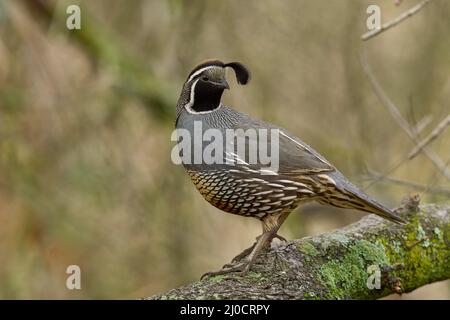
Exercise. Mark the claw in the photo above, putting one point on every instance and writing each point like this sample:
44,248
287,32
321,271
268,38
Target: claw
228,265
241,269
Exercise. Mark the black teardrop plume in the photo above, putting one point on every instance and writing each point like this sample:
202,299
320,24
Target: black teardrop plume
242,73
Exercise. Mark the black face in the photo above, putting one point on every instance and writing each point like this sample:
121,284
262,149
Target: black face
207,93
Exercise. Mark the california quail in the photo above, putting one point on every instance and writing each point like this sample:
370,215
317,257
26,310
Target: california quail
245,188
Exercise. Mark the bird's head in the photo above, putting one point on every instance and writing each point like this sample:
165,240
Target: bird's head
205,84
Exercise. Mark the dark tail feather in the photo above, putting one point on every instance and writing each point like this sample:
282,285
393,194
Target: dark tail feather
349,196
374,207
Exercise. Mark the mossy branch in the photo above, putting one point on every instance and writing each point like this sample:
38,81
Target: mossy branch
341,263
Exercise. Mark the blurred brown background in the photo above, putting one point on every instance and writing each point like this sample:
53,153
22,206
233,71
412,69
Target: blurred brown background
86,117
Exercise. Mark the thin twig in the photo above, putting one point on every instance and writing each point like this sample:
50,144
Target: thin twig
422,124
431,137
395,113
372,175
372,33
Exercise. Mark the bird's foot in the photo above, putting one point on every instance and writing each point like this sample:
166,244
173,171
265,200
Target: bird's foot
242,262
240,269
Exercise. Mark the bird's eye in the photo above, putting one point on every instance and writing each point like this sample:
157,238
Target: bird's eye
205,78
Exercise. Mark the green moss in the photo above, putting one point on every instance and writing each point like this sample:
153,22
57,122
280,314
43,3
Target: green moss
425,244
424,257
308,249
217,278
333,239
171,296
339,237
419,251
396,245
311,296
256,277
420,233
438,233
347,276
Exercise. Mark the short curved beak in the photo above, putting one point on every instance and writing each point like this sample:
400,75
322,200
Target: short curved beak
224,84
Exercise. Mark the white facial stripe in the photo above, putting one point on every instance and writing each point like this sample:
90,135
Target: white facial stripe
196,73
189,105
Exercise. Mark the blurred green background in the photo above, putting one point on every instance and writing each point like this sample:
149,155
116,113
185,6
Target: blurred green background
86,117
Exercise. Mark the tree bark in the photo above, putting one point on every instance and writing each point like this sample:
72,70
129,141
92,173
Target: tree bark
344,263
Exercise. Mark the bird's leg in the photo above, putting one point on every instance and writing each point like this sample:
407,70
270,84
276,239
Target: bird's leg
247,251
270,228
281,238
